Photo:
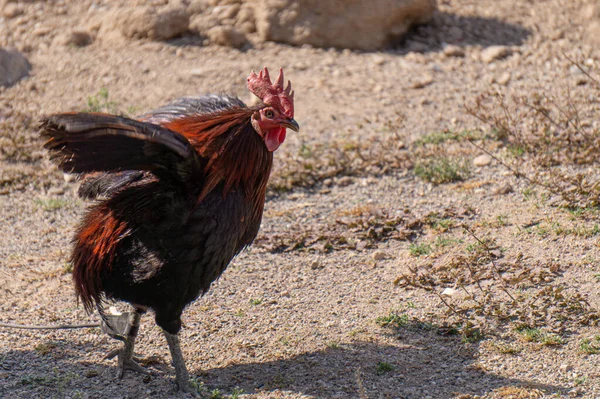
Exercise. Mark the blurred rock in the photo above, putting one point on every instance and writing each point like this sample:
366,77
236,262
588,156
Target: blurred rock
146,22
449,292
454,51
223,22
482,160
590,14
503,190
227,36
356,24
12,10
13,67
504,78
77,38
494,53
592,33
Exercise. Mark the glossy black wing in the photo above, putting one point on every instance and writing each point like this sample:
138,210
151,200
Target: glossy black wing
186,106
84,143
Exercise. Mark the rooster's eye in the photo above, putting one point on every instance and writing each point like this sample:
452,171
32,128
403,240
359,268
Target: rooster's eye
269,114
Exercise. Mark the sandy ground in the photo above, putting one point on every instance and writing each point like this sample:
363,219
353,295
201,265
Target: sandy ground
316,308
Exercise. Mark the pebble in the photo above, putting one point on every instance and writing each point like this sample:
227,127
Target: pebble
482,160
12,10
315,264
345,181
449,292
504,78
379,255
503,190
41,31
422,82
452,50
69,177
379,60
494,53
56,191
78,38
565,367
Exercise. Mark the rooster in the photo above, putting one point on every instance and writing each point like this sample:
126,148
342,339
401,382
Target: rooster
180,191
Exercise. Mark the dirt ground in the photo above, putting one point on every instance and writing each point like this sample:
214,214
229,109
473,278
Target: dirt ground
319,307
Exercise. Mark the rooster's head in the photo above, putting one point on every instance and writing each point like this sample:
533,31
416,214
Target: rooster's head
277,112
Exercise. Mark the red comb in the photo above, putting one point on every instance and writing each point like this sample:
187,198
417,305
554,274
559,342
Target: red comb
272,94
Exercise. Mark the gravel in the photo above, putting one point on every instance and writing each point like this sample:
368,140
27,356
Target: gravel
302,323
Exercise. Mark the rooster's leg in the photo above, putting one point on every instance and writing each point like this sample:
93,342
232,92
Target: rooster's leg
127,334
181,372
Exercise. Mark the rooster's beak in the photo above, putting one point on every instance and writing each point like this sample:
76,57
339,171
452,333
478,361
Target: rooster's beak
291,124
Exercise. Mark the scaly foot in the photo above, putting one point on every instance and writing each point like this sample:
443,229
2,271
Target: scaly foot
127,362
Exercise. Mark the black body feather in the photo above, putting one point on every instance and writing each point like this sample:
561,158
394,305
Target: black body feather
153,240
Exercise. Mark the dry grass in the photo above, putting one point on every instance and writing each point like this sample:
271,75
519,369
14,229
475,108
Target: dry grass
549,140
367,154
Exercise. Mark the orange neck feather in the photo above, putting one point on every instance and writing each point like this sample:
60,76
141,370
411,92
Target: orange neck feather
236,155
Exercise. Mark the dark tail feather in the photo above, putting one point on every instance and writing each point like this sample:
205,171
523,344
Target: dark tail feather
83,143
94,252
105,184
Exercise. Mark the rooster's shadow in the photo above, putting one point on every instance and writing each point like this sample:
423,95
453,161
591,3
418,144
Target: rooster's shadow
416,367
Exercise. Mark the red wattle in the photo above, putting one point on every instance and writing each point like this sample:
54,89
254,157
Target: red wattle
274,138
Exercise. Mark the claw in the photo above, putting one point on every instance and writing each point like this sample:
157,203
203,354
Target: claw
127,364
132,366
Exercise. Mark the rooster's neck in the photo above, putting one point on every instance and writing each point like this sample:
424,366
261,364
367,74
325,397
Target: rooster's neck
235,154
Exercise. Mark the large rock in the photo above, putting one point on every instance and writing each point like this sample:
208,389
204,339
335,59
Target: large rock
591,17
223,22
146,22
13,67
355,24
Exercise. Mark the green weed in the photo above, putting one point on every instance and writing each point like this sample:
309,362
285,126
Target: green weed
443,170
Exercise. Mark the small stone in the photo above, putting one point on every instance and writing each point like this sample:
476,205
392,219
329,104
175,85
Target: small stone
344,181
12,10
590,11
56,191
503,190
91,373
581,80
285,294
361,245
482,160
455,33
379,255
450,292
77,38
452,50
565,367
227,36
422,82
13,67
198,72
378,60
41,31
69,177
504,78
315,264
494,53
